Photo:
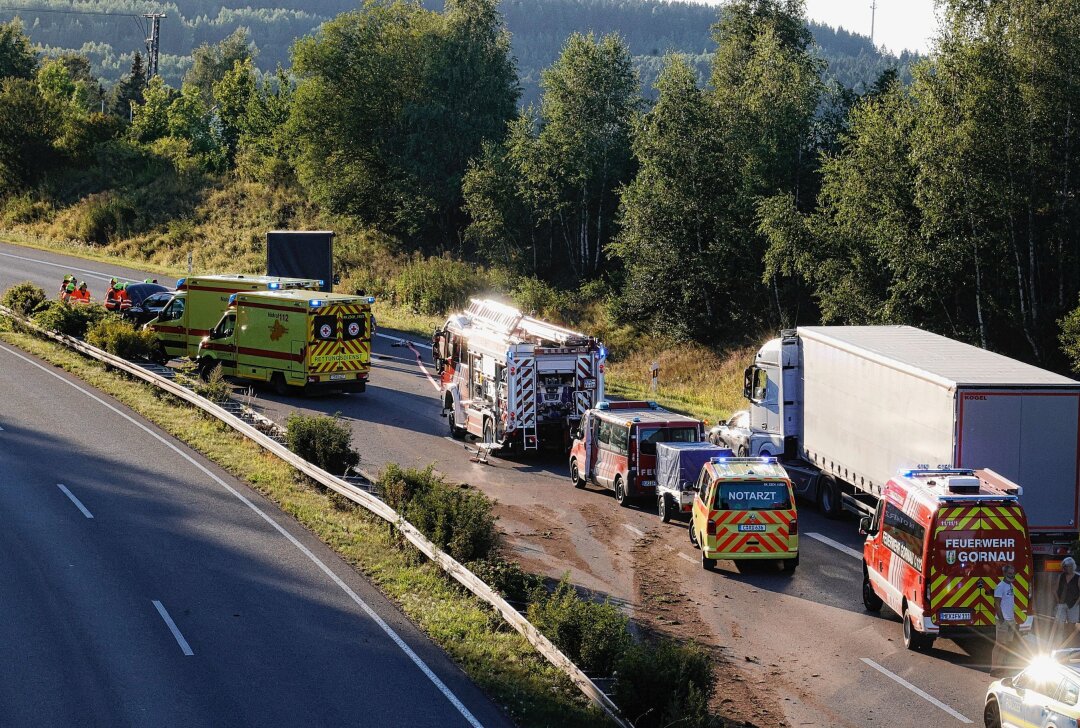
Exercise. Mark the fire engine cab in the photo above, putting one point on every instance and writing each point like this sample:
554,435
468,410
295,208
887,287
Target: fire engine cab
936,548
616,446
515,381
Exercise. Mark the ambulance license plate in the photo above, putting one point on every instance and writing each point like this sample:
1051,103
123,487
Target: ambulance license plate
755,527
955,615
338,377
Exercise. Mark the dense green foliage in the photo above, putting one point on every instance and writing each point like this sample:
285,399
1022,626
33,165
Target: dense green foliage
73,320
324,441
24,298
121,338
592,634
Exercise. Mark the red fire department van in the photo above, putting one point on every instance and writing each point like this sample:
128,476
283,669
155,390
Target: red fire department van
615,446
935,550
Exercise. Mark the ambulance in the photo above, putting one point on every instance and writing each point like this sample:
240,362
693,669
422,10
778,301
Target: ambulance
615,446
744,510
935,550
198,304
299,338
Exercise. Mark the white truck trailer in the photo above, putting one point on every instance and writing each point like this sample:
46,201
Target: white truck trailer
848,407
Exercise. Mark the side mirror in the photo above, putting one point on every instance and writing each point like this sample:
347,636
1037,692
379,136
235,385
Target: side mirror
864,526
747,382
1007,682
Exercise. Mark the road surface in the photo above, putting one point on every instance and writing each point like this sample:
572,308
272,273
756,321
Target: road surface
145,586
802,649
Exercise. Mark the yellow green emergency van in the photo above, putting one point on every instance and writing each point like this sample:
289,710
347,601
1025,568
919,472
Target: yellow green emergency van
198,304
297,338
744,509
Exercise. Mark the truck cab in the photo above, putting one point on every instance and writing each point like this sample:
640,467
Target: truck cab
771,388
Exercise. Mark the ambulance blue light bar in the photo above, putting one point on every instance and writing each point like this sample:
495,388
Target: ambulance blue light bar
371,299
180,283
315,303
232,299
273,285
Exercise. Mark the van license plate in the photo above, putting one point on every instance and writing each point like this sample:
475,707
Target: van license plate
754,527
955,615
338,377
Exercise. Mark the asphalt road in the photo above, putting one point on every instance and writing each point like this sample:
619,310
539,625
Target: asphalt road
142,585
802,645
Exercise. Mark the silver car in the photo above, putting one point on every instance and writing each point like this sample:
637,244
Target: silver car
1044,695
733,434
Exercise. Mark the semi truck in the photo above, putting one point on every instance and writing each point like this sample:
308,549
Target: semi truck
198,304
298,338
849,407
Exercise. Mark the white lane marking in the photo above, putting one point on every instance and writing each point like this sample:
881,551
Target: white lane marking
420,363
371,613
925,696
76,501
636,531
184,646
836,545
93,273
684,557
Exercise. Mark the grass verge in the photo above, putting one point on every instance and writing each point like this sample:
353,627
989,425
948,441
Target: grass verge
493,655
88,252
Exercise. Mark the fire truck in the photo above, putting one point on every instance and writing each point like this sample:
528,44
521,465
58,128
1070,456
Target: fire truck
514,381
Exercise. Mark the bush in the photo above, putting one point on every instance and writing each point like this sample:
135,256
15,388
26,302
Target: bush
121,338
438,285
103,217
665,684
25,298
324,441
457,519
24,209
215,387
592,634
66,319
507,578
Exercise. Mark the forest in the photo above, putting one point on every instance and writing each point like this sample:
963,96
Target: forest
109,32
765,195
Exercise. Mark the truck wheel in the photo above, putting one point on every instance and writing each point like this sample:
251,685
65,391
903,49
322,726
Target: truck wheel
277,381
789,565
870,599
913,639
663,507
575,474
620,491
829,497
456,432
742,452
707,563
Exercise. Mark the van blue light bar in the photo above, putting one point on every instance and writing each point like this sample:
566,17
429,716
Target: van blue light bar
232,299
180,283
371,299
274,285
315,302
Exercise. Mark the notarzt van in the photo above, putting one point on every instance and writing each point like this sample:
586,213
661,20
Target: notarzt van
936,547
744,509
198,304
616,446
293,339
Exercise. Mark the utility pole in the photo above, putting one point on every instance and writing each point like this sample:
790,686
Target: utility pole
153,44
873,12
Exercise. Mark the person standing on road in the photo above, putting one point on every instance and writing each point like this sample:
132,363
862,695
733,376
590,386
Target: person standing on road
1067,611
1005,632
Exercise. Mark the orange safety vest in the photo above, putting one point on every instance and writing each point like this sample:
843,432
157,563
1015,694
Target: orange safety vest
81,296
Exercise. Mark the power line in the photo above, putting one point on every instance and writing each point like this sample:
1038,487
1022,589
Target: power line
19,8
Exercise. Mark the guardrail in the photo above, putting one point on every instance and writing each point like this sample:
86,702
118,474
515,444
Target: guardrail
447,563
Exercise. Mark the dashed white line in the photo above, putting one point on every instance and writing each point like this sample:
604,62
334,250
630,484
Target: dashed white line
94,273
636,531
371,613
184,646
76,501
684,557
925,696
836,545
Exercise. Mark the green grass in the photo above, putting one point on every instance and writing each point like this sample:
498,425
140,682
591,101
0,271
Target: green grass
497,658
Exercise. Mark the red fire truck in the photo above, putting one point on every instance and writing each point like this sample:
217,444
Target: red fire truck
616,446
515,381
936,548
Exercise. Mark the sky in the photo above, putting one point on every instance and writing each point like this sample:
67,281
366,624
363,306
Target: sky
898,25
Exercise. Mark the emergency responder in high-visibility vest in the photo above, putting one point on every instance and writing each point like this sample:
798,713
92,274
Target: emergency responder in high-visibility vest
81,294
123,299
69,291
112,302
68,279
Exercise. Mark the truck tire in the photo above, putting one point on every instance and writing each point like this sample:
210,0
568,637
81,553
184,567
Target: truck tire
870,599
575,474
458,433
277,381
663,508
913,639
828,494
620,492
742,452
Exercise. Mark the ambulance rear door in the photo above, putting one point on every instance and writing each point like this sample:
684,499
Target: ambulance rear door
753,516
971,544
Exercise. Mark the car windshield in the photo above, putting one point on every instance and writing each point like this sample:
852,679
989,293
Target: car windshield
753,496
649,436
